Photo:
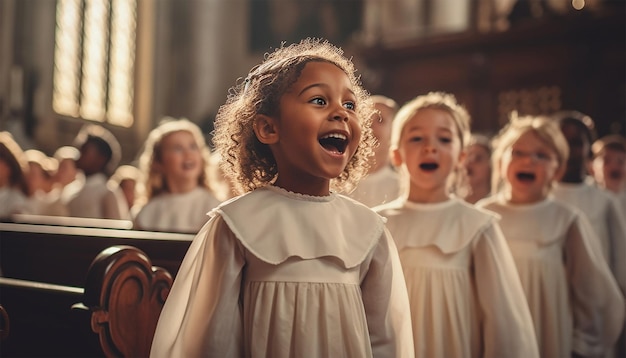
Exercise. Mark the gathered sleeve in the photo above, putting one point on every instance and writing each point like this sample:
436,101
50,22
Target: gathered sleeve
617,233
386,302
202,315
597,303
507,326
114,206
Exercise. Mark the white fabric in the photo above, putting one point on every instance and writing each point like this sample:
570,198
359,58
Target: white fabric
607,219
185,212
378,188
13,201
48,203
621,199
573,298
465,295
278,274
96,200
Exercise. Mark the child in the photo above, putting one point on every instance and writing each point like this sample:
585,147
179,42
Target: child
608,166
99,155
382,184
175,167
477,165
466,298
577,189
13,184
66,172
575,303
44,196
67,178
126,179
290,268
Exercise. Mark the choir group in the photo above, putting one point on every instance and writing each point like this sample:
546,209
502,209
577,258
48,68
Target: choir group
332,223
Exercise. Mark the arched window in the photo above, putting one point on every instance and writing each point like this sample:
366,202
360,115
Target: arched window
94,60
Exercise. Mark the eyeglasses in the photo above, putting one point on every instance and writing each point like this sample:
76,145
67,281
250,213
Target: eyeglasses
542,157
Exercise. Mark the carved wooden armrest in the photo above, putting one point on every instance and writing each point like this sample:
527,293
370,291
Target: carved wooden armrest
125,294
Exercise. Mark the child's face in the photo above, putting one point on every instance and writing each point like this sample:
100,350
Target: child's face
478,165
91,161
529,167
181,158
579,147
317,131
429,149
609,169
381,127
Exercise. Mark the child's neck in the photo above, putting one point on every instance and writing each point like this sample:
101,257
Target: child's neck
312,188
525,198
478,193
181,186
428,197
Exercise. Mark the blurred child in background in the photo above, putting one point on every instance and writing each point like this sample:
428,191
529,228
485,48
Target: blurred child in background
477,165
575,302
13,184
174,165
100,153
382,183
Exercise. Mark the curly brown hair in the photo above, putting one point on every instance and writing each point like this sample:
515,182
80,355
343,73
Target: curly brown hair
247,162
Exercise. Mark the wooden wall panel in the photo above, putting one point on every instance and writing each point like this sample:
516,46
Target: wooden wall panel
573,62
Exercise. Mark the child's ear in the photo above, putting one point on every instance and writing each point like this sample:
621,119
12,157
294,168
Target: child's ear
462,156
266,129
559,173
396,157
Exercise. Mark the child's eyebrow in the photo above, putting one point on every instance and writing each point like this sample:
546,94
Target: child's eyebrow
311,86
321,85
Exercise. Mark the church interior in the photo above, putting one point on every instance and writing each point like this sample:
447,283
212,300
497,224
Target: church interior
126,65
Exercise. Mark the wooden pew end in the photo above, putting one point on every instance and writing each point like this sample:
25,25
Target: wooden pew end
125,295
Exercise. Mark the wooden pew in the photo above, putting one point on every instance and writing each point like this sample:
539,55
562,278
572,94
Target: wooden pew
121,302
42,322
62,255
125,294
46,269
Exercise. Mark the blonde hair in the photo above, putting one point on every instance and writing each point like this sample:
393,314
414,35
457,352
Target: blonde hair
614,142
435,100
445,102
125,172
543,126
154,181
247,162
386,101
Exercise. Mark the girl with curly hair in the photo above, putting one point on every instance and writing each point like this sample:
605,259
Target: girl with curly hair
291,268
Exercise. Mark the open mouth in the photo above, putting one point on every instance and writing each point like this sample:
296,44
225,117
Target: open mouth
429,166
334,142
189,165
525,177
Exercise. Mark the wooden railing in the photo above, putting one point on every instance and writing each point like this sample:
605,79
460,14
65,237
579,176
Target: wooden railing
70,291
